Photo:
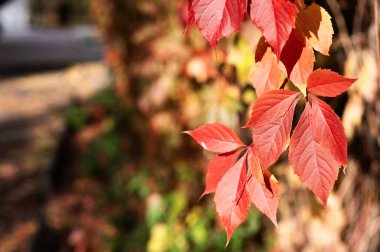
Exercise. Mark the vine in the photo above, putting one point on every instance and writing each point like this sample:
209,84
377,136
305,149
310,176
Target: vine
239,174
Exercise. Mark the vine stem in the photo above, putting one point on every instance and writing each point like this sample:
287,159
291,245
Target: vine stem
376,14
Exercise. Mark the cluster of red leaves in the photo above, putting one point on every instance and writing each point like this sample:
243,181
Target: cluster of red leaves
318,146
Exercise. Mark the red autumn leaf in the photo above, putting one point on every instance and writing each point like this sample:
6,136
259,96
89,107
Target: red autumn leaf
243,6
261,49
216,137
275,19
303,68
216,169
231,198
262,189
318,146
190,14
292,51
314,164
266,74
271,136
328,129
324,82
271,106
216,18
315,23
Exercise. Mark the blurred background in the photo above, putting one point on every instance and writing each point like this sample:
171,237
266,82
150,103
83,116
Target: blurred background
94,96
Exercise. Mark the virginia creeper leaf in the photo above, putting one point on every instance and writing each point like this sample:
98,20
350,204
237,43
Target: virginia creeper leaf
324,82
216,169
191,16
275,19
261,49
270,139
216,18
216,137
254,167
266,74
315,23
314,164
328,129
263,189
243,7
293,50
231,198
318,146
271,105
303,68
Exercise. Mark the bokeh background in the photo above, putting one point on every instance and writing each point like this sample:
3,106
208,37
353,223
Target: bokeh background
94,96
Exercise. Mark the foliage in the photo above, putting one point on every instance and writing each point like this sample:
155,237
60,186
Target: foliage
318,146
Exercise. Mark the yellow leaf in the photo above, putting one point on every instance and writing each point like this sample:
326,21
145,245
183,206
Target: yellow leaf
315,23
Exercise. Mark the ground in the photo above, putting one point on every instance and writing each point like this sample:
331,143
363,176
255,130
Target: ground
31,130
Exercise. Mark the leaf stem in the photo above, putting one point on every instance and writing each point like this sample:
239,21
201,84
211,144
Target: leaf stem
284,83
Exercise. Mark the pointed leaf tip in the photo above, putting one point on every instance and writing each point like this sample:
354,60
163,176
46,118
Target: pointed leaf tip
228,189
275,19
315,23
216,137
313,163
327,83
216,18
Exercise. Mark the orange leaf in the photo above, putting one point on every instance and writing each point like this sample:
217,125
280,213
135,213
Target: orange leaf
266,74
315,23
303,68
